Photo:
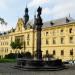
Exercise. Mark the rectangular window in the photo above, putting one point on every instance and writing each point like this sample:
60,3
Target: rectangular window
54,40
7,50
1,43
71,52
47,41
62,40
7,43
28,36
54,52
61,31
62,52
71,39
70,30
53,32
46,33
11,38
27,42
21,38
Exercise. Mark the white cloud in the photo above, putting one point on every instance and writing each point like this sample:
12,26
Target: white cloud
2,4
63,9
46,11
51,8
55,8
35,3
59,8
4,28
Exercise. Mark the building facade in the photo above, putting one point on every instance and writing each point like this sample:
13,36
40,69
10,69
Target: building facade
57,37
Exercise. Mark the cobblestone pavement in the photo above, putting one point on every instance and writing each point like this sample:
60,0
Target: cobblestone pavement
5,69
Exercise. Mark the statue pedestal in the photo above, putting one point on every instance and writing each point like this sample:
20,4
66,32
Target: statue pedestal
39,55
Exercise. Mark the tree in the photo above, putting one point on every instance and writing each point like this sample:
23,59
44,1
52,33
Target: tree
16,44
13,46
2,21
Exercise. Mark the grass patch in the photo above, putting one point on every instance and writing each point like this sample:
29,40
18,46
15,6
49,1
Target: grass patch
7,60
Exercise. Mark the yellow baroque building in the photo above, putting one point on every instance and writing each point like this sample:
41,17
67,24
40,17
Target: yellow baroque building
57,36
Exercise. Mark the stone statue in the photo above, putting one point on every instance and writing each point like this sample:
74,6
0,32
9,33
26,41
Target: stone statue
39,20
39,28
39,11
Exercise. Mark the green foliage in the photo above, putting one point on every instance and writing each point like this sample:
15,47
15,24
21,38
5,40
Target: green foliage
20,55
16,44
7,60
13,45
14,55
3,21
28,55
10,56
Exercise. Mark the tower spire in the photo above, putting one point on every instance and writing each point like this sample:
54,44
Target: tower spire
26,5
26,16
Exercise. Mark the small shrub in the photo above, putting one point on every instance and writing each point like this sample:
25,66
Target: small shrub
28,55
10,56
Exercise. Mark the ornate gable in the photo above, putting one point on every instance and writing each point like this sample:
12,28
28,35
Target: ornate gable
20,25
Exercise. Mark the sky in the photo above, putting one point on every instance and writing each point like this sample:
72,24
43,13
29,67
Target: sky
12,10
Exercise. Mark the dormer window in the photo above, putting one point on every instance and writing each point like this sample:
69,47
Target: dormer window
67,20
51,23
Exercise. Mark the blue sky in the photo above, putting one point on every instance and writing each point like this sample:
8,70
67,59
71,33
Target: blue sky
11,10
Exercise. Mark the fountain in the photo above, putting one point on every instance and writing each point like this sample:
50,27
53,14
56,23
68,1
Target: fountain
39,63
